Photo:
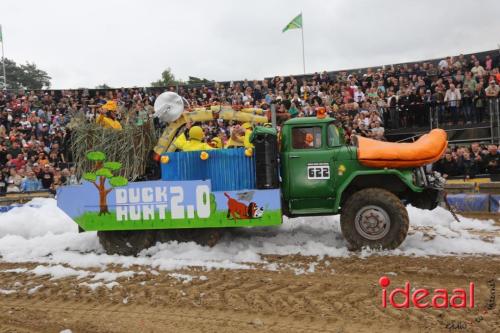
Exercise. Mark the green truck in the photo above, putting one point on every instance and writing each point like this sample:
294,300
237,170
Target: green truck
371,201
305,170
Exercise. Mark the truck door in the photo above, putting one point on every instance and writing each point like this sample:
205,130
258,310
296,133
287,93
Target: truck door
310,168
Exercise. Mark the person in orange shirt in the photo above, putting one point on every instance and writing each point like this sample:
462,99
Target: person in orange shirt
309,141
42,159
496,74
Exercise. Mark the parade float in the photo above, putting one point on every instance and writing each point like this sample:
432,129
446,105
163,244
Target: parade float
305,170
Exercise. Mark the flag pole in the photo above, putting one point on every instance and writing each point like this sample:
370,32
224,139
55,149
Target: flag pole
303,52
3,61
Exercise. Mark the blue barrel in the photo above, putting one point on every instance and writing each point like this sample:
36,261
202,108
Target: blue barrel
184,166
227,169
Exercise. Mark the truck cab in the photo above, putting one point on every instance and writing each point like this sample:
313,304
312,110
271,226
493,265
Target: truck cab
312,151
322,175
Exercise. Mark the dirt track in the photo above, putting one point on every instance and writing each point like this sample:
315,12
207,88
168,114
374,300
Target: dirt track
341,295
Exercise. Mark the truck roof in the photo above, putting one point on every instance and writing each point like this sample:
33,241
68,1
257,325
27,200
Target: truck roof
308,121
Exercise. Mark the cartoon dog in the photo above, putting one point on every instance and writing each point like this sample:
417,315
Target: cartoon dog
238,210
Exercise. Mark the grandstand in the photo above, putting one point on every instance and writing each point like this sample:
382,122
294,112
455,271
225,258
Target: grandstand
391,102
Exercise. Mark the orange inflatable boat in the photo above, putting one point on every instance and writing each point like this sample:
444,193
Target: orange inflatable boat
378,154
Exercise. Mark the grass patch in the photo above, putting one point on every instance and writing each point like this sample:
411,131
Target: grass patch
91,221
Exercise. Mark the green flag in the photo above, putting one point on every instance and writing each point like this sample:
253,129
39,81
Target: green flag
296,23
1,40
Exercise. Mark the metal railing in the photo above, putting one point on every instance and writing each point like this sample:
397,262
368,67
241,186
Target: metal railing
446,115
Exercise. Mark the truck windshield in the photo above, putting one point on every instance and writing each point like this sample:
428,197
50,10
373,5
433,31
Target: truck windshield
306,137
333,135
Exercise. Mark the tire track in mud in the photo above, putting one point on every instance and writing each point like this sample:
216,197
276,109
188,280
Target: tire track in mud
137,318
346,299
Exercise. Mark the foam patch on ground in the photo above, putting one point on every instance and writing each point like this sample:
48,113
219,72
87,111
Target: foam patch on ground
46,235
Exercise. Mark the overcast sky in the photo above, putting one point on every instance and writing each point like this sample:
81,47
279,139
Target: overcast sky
129,43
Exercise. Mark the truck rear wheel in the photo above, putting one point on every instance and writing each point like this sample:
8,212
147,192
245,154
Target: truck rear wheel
126,242
201,236
375,218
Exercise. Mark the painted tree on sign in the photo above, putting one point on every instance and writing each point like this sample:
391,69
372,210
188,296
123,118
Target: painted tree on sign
101,172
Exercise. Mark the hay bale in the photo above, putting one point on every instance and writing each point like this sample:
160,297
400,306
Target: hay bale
131,146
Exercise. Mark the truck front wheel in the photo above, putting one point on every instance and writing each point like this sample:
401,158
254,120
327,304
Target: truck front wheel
375,218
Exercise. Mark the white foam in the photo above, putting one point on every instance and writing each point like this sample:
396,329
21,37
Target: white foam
7,291
34,289
59,272
47,236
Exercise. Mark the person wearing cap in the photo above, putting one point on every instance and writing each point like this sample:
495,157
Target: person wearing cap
36,168
195,141
107,117
46,176
248,133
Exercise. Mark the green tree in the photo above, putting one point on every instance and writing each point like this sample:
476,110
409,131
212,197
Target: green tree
167,79
213,204
103,86
197,80
103,170
26,76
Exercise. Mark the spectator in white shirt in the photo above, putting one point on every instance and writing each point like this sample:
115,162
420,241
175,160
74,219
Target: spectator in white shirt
443,64
453,97
359,96
478,70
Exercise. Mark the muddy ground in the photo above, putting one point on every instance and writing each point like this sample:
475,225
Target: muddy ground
303,295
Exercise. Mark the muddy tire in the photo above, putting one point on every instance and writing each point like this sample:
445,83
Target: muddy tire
126,242
202,236
374,218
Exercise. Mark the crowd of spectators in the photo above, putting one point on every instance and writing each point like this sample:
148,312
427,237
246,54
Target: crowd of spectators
454,91
33,142
34,132
469,161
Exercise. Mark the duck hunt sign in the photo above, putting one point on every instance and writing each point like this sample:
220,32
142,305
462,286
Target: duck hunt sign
105,204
